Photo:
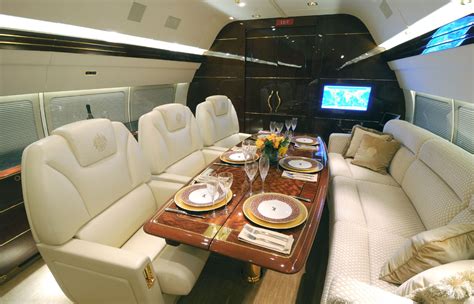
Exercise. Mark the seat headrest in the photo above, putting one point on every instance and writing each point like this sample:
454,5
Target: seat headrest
220,104
90,140
174,115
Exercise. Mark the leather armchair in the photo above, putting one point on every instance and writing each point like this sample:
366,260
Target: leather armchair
87,193
218,123
172,145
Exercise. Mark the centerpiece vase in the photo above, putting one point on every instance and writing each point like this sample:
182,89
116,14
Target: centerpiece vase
272,155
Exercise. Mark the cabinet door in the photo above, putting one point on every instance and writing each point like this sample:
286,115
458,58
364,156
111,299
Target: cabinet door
295,56
261,57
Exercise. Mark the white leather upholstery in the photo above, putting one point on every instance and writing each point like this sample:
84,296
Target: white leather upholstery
172,145
86,203
218,122
431,184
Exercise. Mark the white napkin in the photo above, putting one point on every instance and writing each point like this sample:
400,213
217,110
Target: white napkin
300,176
306,147
267,238
201,178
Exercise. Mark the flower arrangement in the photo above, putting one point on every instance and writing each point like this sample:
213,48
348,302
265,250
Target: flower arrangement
273,146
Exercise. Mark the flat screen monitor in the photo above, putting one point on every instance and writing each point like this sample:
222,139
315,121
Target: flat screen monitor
346,97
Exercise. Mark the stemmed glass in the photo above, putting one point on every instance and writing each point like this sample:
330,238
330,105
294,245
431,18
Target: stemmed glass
225,182
272,127
249,149
212,186
294,121
251,170
288,124
263,166
279,127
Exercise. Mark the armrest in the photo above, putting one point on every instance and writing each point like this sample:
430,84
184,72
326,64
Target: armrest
216,148
347,290
171,177
210,155
243,136
82,268
338,141
163,190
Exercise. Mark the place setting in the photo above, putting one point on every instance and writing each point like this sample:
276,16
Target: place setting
247,153
275,211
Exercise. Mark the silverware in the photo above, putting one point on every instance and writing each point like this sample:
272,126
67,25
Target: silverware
183,212
255,238
304,199
309,178
255,232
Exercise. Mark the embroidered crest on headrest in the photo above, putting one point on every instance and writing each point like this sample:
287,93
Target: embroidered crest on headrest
100,142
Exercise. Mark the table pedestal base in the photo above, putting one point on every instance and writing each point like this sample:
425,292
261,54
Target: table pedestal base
252,273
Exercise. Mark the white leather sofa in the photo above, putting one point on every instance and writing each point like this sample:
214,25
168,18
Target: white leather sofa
87,193
218,123
430,184
172,144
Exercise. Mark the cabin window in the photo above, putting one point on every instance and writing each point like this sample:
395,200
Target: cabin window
464,136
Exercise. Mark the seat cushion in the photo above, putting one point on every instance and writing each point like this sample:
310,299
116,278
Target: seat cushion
229,141
178,268
189,165
146,244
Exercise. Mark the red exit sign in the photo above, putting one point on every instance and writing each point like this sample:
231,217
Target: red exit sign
285,22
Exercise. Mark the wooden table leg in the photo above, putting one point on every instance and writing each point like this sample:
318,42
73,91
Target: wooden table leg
252,272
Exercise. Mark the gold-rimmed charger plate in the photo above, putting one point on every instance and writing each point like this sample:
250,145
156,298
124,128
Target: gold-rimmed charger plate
302,164
222,203
302,216
305,140
227,157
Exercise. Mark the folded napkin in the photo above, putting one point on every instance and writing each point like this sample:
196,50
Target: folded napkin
201,178
267,238
306,147
300,176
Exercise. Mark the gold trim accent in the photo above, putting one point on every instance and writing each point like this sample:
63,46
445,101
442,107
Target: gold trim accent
223,234
11,207
302,217
268,101
14,238
149,276
315,170
212,230
279,102
252,273
180,203
230,161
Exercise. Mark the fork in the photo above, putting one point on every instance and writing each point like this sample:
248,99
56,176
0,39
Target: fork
255,232
255,238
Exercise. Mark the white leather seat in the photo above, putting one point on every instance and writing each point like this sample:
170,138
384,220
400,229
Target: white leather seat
217,120
87,193
172,144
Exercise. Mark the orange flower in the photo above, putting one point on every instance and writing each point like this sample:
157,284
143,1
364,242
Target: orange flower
282,151
276,142
259,143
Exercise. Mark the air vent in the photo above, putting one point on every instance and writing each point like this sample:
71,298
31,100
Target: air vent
136,12
172,22
385,8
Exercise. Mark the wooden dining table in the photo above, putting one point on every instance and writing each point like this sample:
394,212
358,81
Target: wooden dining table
218,231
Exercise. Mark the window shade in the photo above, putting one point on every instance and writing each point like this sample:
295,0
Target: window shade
433,115
465,129
144,99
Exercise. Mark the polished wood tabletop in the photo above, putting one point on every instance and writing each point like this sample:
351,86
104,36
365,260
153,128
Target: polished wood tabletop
219,233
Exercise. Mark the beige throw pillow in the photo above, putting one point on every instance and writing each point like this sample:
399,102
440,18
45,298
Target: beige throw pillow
433,276
429,249
356,138
375,153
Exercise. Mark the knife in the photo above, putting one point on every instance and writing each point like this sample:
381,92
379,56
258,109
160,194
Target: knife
183,212
224,164
304,199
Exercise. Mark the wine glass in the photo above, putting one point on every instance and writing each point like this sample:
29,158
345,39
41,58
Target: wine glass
263,166
272,127
225,182
294,121
251,170
212,186
279,127
288,124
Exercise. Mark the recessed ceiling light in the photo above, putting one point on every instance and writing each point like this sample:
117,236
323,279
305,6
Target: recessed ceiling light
239,3
256,16
231,18
312,3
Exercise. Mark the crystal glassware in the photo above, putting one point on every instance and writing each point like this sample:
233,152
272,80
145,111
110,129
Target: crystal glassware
263,166
288,124
294,122
279,127
249,149
272,127
251,169
225,182
212,186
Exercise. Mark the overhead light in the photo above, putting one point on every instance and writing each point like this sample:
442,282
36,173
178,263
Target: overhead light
240,3
312,3
61,29
256,16
231,18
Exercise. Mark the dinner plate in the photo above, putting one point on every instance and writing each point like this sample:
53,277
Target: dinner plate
235,157
306,140
302,214
197,195
274,208
180,203
301,164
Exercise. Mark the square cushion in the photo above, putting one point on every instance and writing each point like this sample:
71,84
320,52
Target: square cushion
356,138
375,153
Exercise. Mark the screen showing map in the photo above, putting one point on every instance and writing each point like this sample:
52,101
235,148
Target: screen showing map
352,98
